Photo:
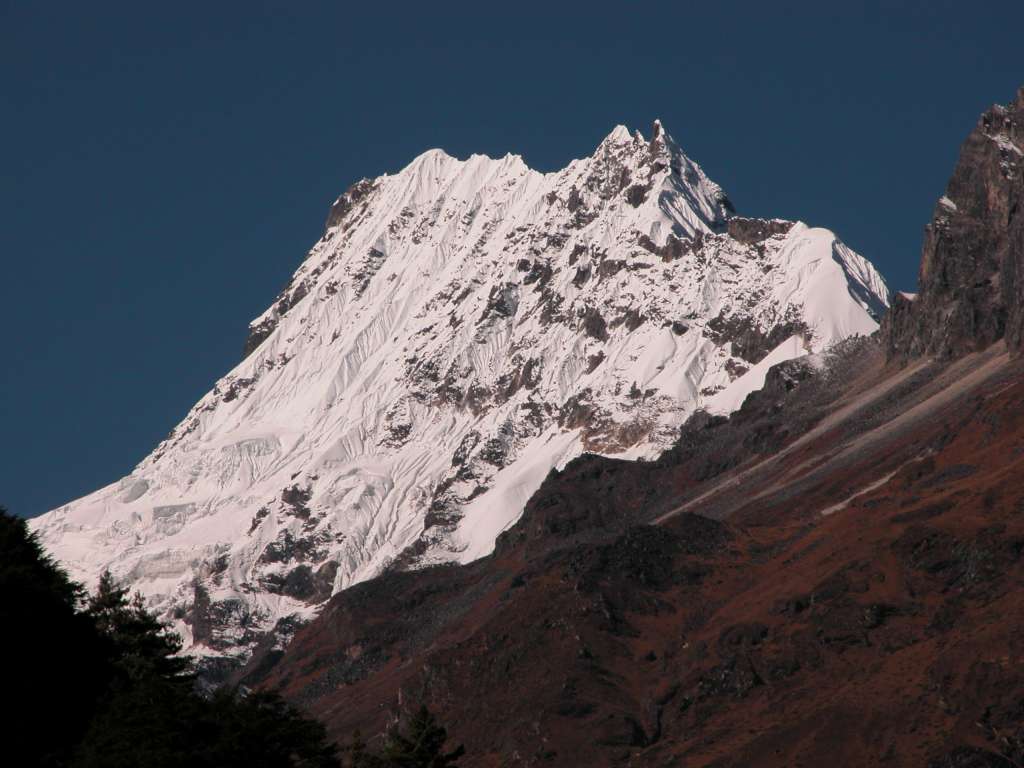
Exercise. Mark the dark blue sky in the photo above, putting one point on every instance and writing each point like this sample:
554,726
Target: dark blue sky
166,166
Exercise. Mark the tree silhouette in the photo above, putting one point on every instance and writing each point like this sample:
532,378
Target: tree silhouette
261,729
53,660
100,683
153,717
422,746
140,646
358,755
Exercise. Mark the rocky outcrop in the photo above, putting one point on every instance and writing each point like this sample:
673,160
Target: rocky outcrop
747,341
348,202
971,280
345,211
752,231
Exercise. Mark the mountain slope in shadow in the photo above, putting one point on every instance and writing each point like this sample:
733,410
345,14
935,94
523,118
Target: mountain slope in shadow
834,574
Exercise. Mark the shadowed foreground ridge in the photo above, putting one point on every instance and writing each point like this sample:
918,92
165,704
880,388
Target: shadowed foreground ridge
832,576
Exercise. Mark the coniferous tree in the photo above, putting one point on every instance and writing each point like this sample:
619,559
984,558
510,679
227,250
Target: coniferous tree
53,661
149,713
101,683
141,646
358,755
153,716
422,746
261,729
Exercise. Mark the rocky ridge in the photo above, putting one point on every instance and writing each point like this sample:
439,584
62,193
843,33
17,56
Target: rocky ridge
971,280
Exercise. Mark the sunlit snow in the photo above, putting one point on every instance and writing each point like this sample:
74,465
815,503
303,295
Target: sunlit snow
466,326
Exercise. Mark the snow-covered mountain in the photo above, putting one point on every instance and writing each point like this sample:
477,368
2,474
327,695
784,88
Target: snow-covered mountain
461,328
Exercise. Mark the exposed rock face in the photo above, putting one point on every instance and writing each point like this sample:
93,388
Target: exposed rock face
971,282
343,210
752,231
748,342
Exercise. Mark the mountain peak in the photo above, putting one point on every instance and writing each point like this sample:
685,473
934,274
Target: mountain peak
619,135
656,174
1016,105
461,328
622,136
432,158
970,292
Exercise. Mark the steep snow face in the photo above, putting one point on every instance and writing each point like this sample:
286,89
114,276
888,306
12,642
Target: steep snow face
461,328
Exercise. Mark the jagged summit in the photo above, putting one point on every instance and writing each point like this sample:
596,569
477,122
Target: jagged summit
620,134
461,327
971,279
